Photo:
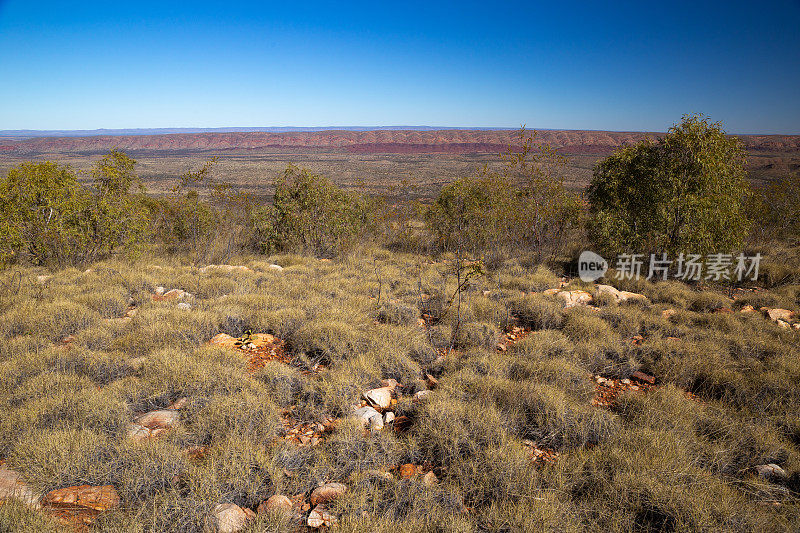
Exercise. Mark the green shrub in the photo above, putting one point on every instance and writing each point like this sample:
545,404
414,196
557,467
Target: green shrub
311,214
48,218
684,193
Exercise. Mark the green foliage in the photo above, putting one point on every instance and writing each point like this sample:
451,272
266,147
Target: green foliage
311,214
47,217
684,193
524,206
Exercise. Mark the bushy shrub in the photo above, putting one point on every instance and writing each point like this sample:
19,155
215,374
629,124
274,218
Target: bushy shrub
48,218
309,213
683,193
524,206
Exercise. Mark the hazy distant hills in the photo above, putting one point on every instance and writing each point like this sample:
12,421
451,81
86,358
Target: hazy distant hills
395,139
165,131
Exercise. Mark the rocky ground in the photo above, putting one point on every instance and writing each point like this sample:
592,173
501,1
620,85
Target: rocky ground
295,394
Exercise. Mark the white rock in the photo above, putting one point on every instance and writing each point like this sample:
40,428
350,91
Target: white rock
228,518
381,397
162,418
12,487
388,417
771,471
185,306
160,290
421,395
277,268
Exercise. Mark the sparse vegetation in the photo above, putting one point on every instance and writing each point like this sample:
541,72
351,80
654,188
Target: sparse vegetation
513,408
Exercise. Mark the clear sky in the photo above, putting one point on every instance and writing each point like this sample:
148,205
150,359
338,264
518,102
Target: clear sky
583,65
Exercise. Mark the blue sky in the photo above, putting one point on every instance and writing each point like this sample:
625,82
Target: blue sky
593,65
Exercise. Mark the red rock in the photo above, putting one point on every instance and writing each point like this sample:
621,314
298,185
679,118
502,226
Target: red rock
224,340
407,471
645,378
100,498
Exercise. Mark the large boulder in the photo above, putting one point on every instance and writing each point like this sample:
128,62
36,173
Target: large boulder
780,314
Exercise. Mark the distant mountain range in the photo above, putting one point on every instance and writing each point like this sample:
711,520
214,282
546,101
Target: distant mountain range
268,129
365,140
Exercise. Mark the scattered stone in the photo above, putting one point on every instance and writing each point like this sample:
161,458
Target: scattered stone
370,417
551,292
747,309
407,471
277,503
780,314
225,268
43,278
501,347
431,381
430,479
326,493
130,313
184,306
796,325
389,383
160,290
380,398
174,294
13,488
645,378
180,403
388,417
196,452
228,518
276,267
619,296
421,395
319,517
771,471
97,498
575,298
152,424
782,323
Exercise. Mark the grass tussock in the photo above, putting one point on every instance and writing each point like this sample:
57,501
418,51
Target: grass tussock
666,460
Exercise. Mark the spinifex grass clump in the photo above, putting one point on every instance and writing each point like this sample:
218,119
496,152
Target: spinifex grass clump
479,396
